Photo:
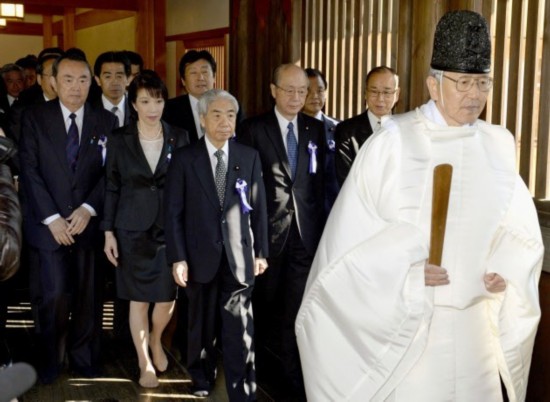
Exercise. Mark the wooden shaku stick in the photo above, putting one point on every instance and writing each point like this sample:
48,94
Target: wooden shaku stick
440,204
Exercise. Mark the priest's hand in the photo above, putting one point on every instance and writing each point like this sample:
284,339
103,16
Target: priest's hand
435,275
179,272
494,283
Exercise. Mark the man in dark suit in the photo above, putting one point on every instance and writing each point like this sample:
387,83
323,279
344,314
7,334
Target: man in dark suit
314,106
292,149
216,239
197,73
14,81
36,94
63,180
112,70
382,94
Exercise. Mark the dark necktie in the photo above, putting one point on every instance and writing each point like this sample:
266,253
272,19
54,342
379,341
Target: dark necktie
221,171
114,111
72,143
292,150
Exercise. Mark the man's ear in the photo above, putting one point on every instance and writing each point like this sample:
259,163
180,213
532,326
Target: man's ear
433,87
53,83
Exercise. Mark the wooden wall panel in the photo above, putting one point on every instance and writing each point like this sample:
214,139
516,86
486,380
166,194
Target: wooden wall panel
529,62
542,176
264,34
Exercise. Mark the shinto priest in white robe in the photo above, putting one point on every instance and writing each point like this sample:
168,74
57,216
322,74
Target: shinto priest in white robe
369,328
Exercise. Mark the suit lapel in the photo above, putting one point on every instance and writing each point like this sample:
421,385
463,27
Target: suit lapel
273,131
188,115
57,133
88,132
168,148
203,169
234,171
131,138
304,134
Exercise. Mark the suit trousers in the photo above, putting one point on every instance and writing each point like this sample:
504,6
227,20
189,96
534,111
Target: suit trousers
64,282
277,299
223,304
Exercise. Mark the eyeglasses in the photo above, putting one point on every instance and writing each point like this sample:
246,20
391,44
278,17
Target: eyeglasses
320,92
302,92
384,94
465,83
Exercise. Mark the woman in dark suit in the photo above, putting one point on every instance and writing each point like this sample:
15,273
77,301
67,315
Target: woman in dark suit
138,156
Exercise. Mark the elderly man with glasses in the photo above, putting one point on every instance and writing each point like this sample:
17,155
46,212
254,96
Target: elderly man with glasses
381,95
292,149
420,331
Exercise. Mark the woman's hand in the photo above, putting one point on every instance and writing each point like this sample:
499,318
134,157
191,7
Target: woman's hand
111,248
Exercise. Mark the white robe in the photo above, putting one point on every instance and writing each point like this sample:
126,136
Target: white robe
368,327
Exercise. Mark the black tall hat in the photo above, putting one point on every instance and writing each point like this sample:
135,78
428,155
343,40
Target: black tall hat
462,43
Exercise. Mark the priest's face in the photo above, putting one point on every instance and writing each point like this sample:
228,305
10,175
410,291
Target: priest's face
459,97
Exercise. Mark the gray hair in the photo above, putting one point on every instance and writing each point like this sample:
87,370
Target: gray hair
437,74
213,95
7,68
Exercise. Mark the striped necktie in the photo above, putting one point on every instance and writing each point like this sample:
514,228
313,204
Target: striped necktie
292,150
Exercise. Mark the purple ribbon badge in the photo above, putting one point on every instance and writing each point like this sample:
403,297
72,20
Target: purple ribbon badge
312,149
331,145
242,189
102,144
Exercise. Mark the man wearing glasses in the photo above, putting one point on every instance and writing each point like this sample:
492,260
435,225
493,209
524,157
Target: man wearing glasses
381,95
292,151
427,332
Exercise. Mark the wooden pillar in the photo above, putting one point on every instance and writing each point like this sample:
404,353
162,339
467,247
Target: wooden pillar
69,34
145,32
47,31
425,15
264,34
542,187
159,42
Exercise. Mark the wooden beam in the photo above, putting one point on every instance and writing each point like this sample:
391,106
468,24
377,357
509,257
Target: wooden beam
93,18
212,33
44,10
128,5
21,28
98,17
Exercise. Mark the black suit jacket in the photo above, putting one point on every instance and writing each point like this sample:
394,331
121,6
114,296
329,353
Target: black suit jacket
133,193
305,196
178,112
98,104
331,183
198,230
49,184
349,136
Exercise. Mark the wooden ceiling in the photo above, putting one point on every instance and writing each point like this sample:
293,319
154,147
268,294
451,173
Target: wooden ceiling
57,7
98,12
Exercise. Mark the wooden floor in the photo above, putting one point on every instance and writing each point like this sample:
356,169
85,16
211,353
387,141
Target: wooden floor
120,373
